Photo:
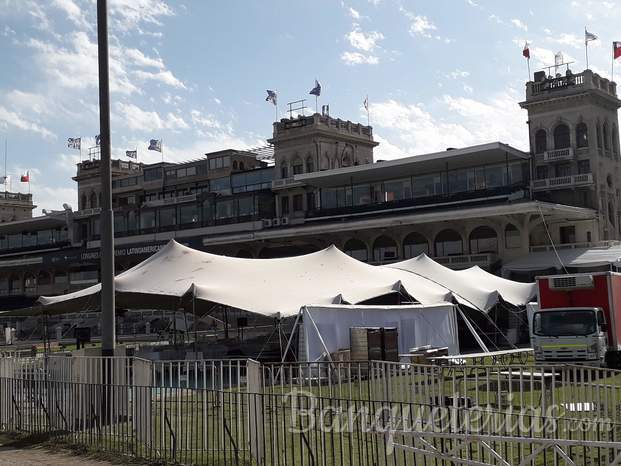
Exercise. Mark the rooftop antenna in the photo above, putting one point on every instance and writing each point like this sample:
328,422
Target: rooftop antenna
295,106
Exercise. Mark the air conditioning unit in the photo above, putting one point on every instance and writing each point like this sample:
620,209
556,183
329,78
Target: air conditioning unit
276,222
284,221
570,282
267,223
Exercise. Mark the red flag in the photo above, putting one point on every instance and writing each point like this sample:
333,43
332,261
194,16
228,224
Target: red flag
25,178
526,51
616,50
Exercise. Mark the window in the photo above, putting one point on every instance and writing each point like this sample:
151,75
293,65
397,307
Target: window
120,224
168,217
310,167
188,214
284,205
599,136
93,200
615,140
561,136
398,189
415,244
147,219
246,206
495,176
221,185
567,234
297,167
563,169
584,166
361,194
512,237
284,172
541,141
611,213
225,209
542,172
357,249
298,202
448,243
384,249
310,201
605,136
582,137
483,240
152,174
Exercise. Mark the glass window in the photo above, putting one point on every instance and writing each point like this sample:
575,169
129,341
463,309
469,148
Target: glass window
226,162
361,194
495,176
310,166
284,172
151,174
398,189
584,166
60,278
599,136
45,237
120,224
29,239
605,136
568,234
542,172
561,136
147,219
188,213
516,173
563,169
132,221
284,205
384,249
225,209
15,241
212,164
448,243
483,240
512,237
221,185
458,181
582,137
168,217
190,171
357,249
218,162
541,142
426,185
415,244
246,206
297,167
298,202
328,198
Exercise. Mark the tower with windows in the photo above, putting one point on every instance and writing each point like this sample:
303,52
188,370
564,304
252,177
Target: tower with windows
574,139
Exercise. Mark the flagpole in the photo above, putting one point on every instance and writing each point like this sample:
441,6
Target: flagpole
316,103
586,48
528,65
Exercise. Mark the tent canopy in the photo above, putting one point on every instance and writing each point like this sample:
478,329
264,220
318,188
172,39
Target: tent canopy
578,257
263,286
473,287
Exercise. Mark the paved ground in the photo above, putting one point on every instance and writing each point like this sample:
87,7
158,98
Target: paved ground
37,456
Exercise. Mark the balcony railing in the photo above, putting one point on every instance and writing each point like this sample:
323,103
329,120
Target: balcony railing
465,261
568,181
558,154
584,245
286,183
171,200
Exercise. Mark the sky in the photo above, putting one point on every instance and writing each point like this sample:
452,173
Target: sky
194,73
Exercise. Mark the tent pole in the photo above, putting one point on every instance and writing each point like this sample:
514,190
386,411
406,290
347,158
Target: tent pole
323,343
474,333
295,327
195,322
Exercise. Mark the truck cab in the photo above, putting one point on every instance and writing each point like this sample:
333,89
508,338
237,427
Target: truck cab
570,334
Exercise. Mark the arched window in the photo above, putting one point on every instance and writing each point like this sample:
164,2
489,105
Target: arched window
297,166
615,139
449,243
605,136
384,249
83,203
599,135
234,164
512,237
93,200
357,249
483,240
541,141
310,167
30,283
582,136
415,244
561,136
15,285
241,166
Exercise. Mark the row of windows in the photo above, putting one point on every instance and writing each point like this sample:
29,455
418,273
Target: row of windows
448,242
30,282
562,140
562,169
451,182
33,239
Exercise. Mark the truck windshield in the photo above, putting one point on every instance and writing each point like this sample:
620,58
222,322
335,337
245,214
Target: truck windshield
564,323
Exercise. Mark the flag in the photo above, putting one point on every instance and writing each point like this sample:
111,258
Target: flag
74,143
616,50
526,50
25,178
316,90
366,103
589,36
271,97
155,144
132,154
97,139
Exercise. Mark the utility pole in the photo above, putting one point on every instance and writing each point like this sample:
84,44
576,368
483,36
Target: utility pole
108,336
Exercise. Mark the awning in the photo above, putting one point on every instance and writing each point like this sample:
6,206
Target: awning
579,257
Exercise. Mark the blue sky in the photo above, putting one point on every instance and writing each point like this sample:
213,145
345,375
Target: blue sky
444,73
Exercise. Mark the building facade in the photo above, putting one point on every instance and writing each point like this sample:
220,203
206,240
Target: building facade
481,205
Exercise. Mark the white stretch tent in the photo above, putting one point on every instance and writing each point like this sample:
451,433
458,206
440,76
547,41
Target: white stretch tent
268,287
473,287
326,328
578,257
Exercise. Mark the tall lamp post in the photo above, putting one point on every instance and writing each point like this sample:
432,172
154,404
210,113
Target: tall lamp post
107,234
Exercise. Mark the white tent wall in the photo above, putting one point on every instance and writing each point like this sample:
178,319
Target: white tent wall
417,325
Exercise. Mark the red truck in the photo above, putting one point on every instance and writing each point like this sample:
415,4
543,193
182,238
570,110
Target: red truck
578,319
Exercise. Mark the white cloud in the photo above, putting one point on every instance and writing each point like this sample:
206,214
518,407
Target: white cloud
571,40
457,73
163,76
9,118
74,13
128,15
140,59
364,41
207,121
357,58
422,26
143,120
519,24
353,13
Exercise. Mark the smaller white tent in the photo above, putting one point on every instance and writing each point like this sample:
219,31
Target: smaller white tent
327,328
472,287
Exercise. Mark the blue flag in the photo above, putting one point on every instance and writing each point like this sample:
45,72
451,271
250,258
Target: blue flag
155,144
316,90
271,97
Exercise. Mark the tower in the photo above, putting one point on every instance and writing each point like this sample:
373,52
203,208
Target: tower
574,141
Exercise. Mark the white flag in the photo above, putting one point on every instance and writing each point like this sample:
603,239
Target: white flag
366,103
589,36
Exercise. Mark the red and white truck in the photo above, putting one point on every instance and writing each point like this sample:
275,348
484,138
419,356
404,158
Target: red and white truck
578,319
